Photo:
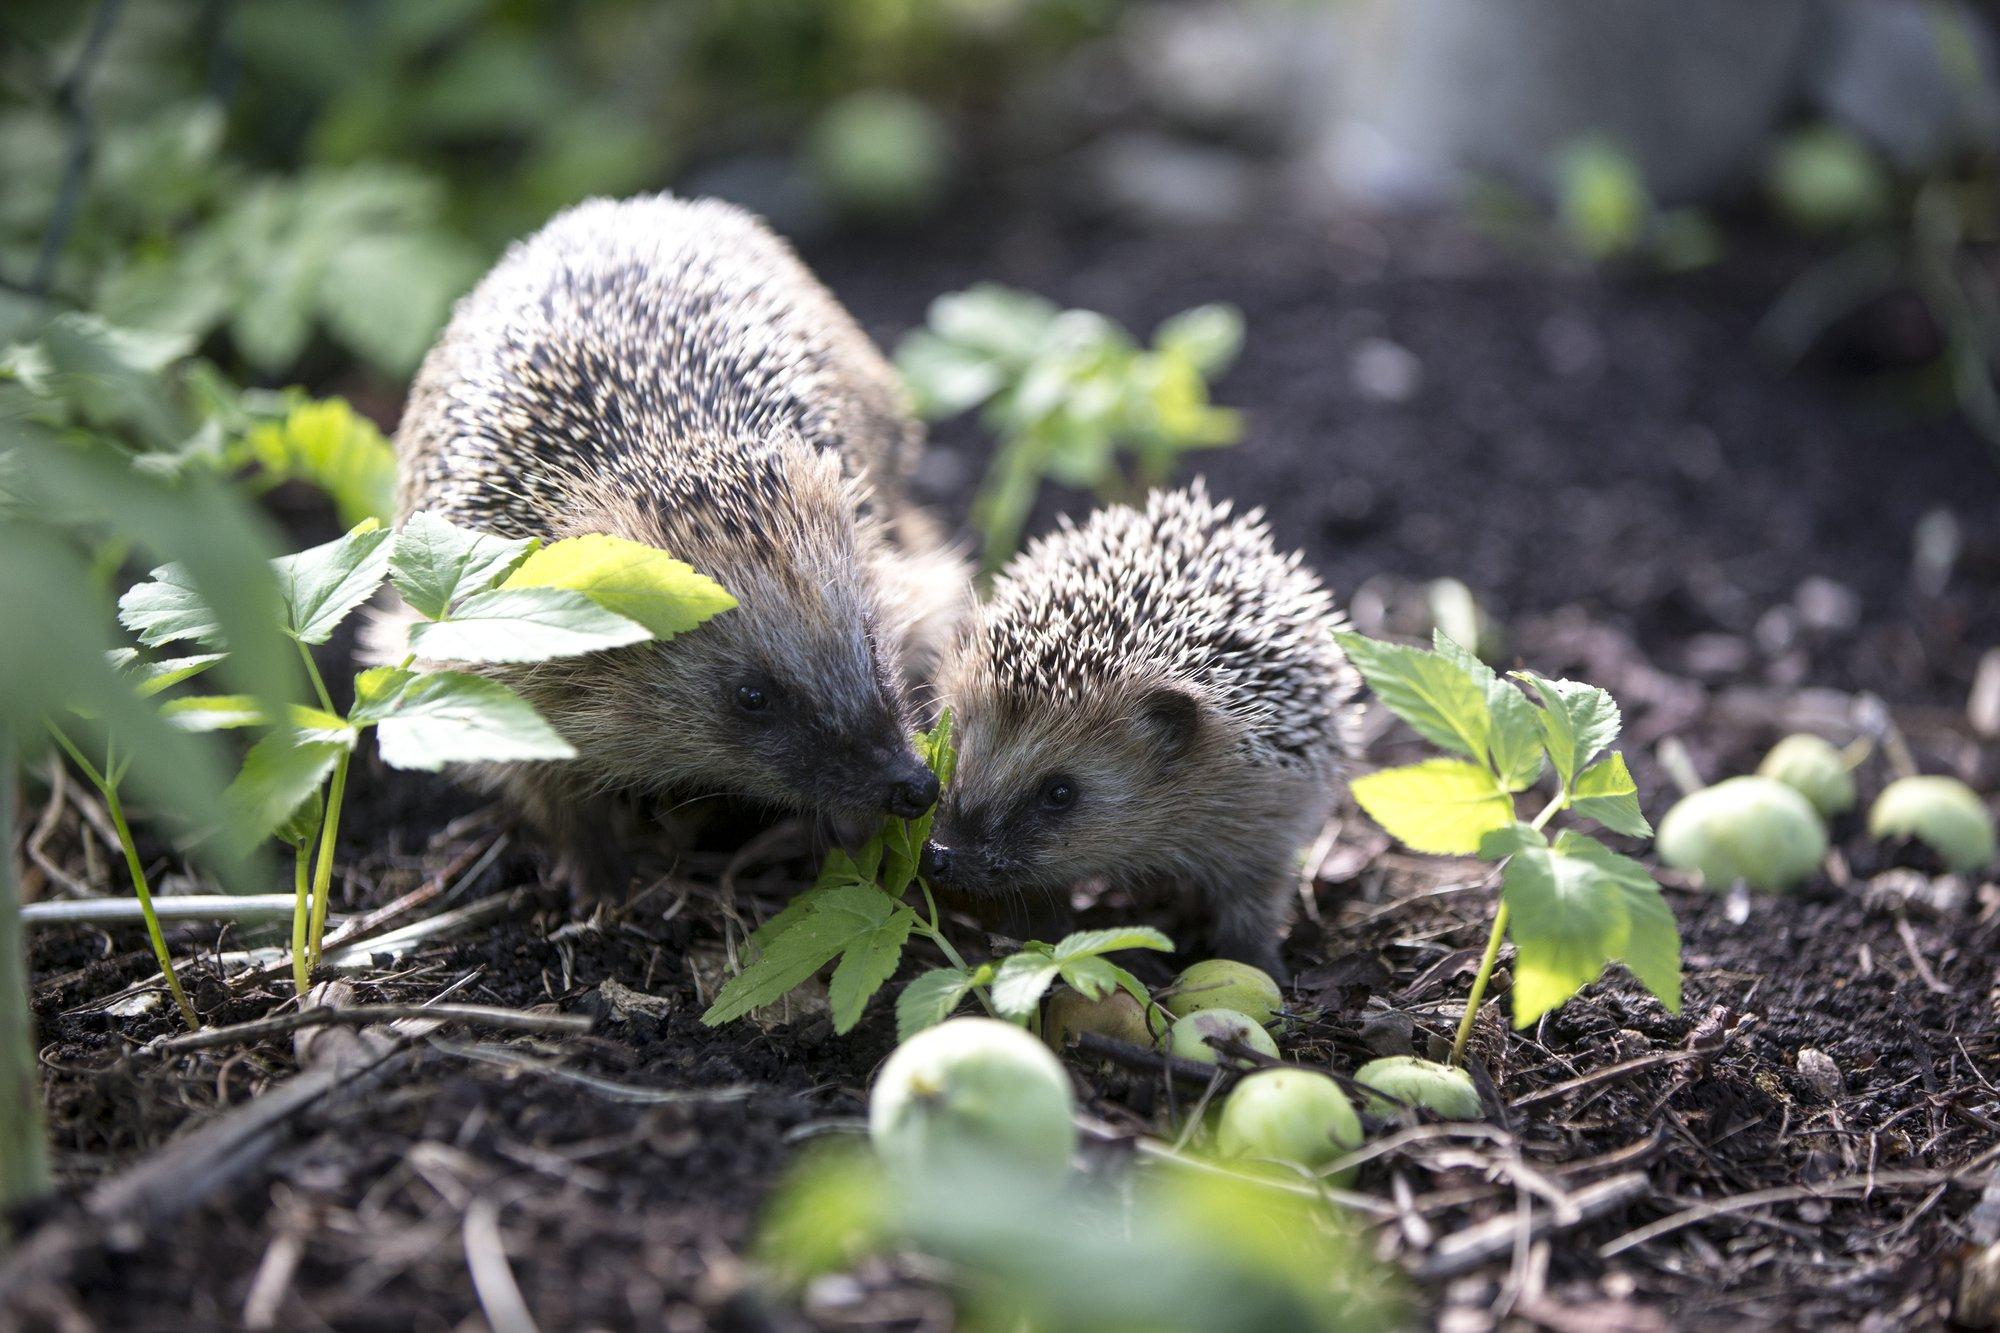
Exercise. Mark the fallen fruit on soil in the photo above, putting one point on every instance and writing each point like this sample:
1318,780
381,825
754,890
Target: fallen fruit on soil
1752,829
1221,984
1812,767
1190,1037
973,1084
1069,1013
1943,814
1289,1115
1414,1082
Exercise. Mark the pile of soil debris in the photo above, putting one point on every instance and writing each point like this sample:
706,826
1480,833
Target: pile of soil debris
1634,498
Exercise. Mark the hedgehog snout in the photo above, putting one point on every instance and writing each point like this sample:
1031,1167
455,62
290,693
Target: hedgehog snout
935,864
913,791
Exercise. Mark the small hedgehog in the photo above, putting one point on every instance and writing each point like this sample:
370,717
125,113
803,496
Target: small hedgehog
670,372
1153,699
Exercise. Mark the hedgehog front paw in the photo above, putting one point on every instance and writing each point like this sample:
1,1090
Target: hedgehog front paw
593,872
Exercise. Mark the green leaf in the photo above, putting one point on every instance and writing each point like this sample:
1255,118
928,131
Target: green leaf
1504,842
930,999
837,919
436,562
322,586
375,690
213,712
1019,981
524,625
1090,976
1435,695
1577,721
1208,336
1577,907
168,608
1514,742
279,774
881,926
165,673
335,448
1606,793
639,582
1085,943
453,717
1445,806
787,918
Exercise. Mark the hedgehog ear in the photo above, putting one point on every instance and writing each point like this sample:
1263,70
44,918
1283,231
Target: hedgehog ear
1173,716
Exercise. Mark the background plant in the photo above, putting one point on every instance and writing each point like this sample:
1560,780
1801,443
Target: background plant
478,599
1072,397
1571,905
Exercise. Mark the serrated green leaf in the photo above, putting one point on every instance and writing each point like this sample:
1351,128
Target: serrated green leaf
279,774
1019,981
1575,908
639,582
524,625
1514,739
1606,793
153,677
436,562
1577,721
1504,842
1090,975
332,446
1444,806
930,999
453,717
213,712
1652,950
323,585
1084,943
375,690
866,963
1435,695
167,608
836,919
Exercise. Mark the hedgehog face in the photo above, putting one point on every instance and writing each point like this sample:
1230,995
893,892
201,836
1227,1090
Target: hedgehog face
1050,793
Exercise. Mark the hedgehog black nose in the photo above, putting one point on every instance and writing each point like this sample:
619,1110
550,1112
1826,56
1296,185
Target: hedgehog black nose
935,863
913,795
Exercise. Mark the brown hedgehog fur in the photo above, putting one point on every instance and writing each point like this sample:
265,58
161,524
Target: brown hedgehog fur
1151,698
671,373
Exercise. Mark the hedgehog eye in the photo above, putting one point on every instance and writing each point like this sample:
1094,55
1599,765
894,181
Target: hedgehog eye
753,697
1058,793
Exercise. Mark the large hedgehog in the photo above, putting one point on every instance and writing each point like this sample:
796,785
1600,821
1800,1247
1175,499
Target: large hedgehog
670,372
1153,699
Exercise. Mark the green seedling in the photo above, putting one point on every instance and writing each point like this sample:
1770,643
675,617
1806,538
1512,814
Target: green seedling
478,599
1072,397
1943,814
1816,770
972,1085
1757,831
856,917
1293,1116
1405,1080
1571,905
1198,1036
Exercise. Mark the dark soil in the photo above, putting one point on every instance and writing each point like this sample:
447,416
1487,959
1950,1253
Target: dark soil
1639,501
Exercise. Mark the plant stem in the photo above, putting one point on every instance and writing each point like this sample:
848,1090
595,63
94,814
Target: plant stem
312,671
1493,939
329,830
301,906
113,808
1478,996
935,934
106,782
24,1162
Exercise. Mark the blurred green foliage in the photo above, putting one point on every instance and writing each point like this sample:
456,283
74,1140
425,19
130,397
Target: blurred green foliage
1072,396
